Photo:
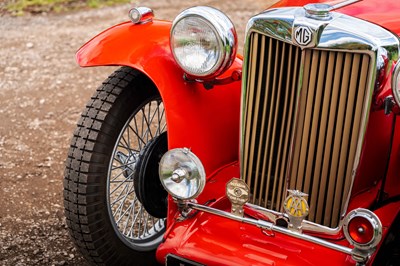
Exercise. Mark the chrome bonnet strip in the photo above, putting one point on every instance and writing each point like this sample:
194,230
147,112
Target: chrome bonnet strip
342,4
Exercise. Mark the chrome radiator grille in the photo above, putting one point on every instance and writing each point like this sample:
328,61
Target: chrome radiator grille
301,122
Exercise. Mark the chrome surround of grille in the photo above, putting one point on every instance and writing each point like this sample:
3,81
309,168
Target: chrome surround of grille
341,33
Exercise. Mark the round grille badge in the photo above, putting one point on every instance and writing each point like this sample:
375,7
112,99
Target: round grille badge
296,207
303,35
295,204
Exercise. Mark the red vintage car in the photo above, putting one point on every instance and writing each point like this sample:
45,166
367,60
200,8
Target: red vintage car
288,155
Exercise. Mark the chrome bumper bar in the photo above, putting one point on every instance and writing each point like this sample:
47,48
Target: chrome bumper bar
358,256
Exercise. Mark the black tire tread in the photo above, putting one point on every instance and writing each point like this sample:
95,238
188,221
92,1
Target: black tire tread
86,164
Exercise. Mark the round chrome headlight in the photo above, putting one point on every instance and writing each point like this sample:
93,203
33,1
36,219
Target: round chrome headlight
182,174
203,42
396,83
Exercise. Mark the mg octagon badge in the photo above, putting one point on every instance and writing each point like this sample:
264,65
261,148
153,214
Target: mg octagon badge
303,35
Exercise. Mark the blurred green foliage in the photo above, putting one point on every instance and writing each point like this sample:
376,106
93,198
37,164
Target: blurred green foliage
19,7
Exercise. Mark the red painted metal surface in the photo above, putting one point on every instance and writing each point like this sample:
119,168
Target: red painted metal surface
213,240
392,185
374,157
205,121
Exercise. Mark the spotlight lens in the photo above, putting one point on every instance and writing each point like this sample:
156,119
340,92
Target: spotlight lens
182,174
361,230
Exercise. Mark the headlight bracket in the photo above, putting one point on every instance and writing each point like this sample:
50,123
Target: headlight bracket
209,84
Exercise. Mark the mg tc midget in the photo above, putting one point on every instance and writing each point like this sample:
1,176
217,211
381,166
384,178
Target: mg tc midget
190,154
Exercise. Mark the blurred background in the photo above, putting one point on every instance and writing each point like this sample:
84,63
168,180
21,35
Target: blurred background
42,93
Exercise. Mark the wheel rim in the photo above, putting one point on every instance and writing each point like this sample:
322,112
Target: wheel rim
131,222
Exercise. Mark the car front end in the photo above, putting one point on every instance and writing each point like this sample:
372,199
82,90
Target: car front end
318,141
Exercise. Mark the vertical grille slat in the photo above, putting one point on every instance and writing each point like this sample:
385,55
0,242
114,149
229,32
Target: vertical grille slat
257,97
249,98
265,73
273,147
301,178
331,155
329,137
292,87
302,116
318,177
320,129
271,79
361,94
278,178
343,159
315,122
333,173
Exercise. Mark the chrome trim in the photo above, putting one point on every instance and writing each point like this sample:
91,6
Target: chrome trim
396,83
318,11
342,33
141,15
182,174
296,207
306,226
372,219
355,253
344,3
224,29
237,191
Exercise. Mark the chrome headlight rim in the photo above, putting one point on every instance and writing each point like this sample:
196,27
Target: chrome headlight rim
224,31
396,83
181,170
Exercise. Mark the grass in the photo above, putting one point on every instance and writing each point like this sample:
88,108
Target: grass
20,7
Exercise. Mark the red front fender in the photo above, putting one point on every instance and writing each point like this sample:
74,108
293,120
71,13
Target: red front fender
205,121
131,45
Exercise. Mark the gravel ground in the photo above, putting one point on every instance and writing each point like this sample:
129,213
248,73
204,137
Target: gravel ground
42,92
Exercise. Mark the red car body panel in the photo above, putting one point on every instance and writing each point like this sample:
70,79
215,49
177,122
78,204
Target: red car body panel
392,185
207,122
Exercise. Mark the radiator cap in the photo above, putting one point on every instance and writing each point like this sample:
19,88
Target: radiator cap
318,11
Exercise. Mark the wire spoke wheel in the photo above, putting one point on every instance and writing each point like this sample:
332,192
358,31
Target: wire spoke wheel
131,219
115,205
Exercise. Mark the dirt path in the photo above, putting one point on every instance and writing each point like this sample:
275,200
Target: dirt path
42,92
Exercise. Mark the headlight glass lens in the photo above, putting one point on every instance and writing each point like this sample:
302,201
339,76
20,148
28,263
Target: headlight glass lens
203,42
196,46
182,174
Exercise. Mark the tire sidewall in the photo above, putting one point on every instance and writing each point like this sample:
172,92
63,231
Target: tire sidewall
89,216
